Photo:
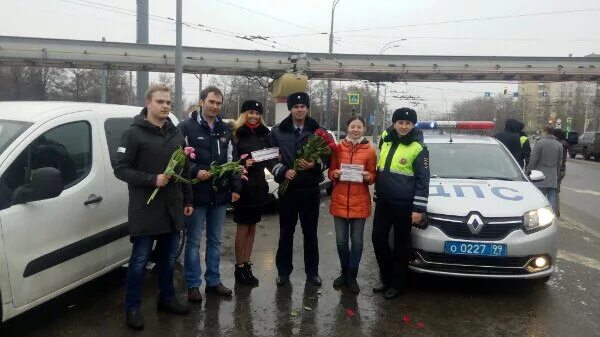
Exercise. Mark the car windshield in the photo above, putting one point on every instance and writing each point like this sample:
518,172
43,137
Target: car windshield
588,136
9,131
472,161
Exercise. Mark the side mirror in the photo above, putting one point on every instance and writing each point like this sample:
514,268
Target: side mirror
536,175
46,183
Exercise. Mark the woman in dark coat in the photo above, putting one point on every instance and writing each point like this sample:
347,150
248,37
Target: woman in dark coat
250,134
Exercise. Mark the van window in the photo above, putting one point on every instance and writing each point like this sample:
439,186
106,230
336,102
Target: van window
67,148
114,129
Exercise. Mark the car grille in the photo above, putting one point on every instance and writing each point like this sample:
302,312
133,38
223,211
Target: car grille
493,228
507,265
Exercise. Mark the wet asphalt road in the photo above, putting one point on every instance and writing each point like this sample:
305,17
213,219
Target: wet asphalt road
568,305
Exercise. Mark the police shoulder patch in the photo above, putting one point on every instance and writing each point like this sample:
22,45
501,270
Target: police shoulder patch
403,161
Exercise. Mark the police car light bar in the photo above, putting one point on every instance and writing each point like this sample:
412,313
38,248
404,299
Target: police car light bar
460,125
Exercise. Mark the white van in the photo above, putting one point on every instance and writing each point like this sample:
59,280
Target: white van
63,214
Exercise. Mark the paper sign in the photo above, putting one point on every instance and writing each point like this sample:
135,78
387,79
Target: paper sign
351,173
265,154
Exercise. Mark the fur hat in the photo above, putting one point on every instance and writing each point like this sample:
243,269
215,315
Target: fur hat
298,98
405,114
252,105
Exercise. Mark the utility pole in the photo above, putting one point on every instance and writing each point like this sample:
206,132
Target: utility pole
329,91
141,77
339,111
104,75
177,110
375,128
384,110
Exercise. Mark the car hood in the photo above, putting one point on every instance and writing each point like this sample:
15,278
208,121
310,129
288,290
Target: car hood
491,198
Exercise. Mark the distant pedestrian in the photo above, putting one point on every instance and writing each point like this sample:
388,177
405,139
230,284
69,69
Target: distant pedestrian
560,136
547,157
525,146
350,200
511,138
143,155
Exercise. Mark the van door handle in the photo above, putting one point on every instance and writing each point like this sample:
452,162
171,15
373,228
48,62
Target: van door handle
93,201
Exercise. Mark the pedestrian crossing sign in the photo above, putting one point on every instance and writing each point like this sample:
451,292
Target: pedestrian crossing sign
353,99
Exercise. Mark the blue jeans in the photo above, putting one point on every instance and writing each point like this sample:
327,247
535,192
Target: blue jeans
166,250
353,228
551,194
214,216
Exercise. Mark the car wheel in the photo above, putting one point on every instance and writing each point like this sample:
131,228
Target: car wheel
586,154
572,154
597,157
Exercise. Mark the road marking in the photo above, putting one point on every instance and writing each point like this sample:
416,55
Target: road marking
596,193
579,259
570,223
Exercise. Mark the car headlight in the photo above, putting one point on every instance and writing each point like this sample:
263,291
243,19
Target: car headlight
538,219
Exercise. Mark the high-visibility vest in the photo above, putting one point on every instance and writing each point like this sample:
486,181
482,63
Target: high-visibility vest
403,156
523,139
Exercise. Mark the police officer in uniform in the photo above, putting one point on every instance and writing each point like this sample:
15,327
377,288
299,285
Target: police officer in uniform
301,200
401,194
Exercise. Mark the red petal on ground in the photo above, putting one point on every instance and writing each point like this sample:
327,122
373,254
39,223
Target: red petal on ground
350,313
406,319
420,325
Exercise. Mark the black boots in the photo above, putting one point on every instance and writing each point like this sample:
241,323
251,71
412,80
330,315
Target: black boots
347,278
172,306
341,280
135,320
243,275
351,280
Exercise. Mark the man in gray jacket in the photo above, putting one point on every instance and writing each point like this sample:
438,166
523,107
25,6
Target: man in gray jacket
547,156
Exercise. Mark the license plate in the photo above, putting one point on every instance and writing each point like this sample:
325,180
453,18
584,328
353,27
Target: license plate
475,248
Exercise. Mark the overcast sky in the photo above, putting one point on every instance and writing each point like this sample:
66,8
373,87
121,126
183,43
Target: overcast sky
508,27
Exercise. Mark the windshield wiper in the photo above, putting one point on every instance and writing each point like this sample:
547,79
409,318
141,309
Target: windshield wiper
488,178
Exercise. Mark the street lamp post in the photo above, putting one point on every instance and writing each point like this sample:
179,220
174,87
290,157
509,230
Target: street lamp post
328,112
390,45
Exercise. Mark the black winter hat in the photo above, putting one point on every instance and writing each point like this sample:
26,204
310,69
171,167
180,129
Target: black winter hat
405,114
298,98
252,105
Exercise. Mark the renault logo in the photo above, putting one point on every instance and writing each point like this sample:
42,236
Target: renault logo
475,223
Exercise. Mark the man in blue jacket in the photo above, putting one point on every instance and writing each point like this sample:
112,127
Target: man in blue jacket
211,138
301,200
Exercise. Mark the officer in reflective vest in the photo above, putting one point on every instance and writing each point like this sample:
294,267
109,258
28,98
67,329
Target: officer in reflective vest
525,146
401,193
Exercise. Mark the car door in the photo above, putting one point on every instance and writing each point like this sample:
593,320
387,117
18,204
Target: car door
53,243
117,197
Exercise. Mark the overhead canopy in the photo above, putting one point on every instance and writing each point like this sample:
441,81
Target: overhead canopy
382,68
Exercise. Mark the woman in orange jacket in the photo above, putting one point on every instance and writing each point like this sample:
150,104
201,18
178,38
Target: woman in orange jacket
351,200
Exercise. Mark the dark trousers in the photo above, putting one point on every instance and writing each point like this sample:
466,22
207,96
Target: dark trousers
166,251
296,204
393,264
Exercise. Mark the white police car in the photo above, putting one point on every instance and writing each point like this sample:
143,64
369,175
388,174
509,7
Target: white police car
484,217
